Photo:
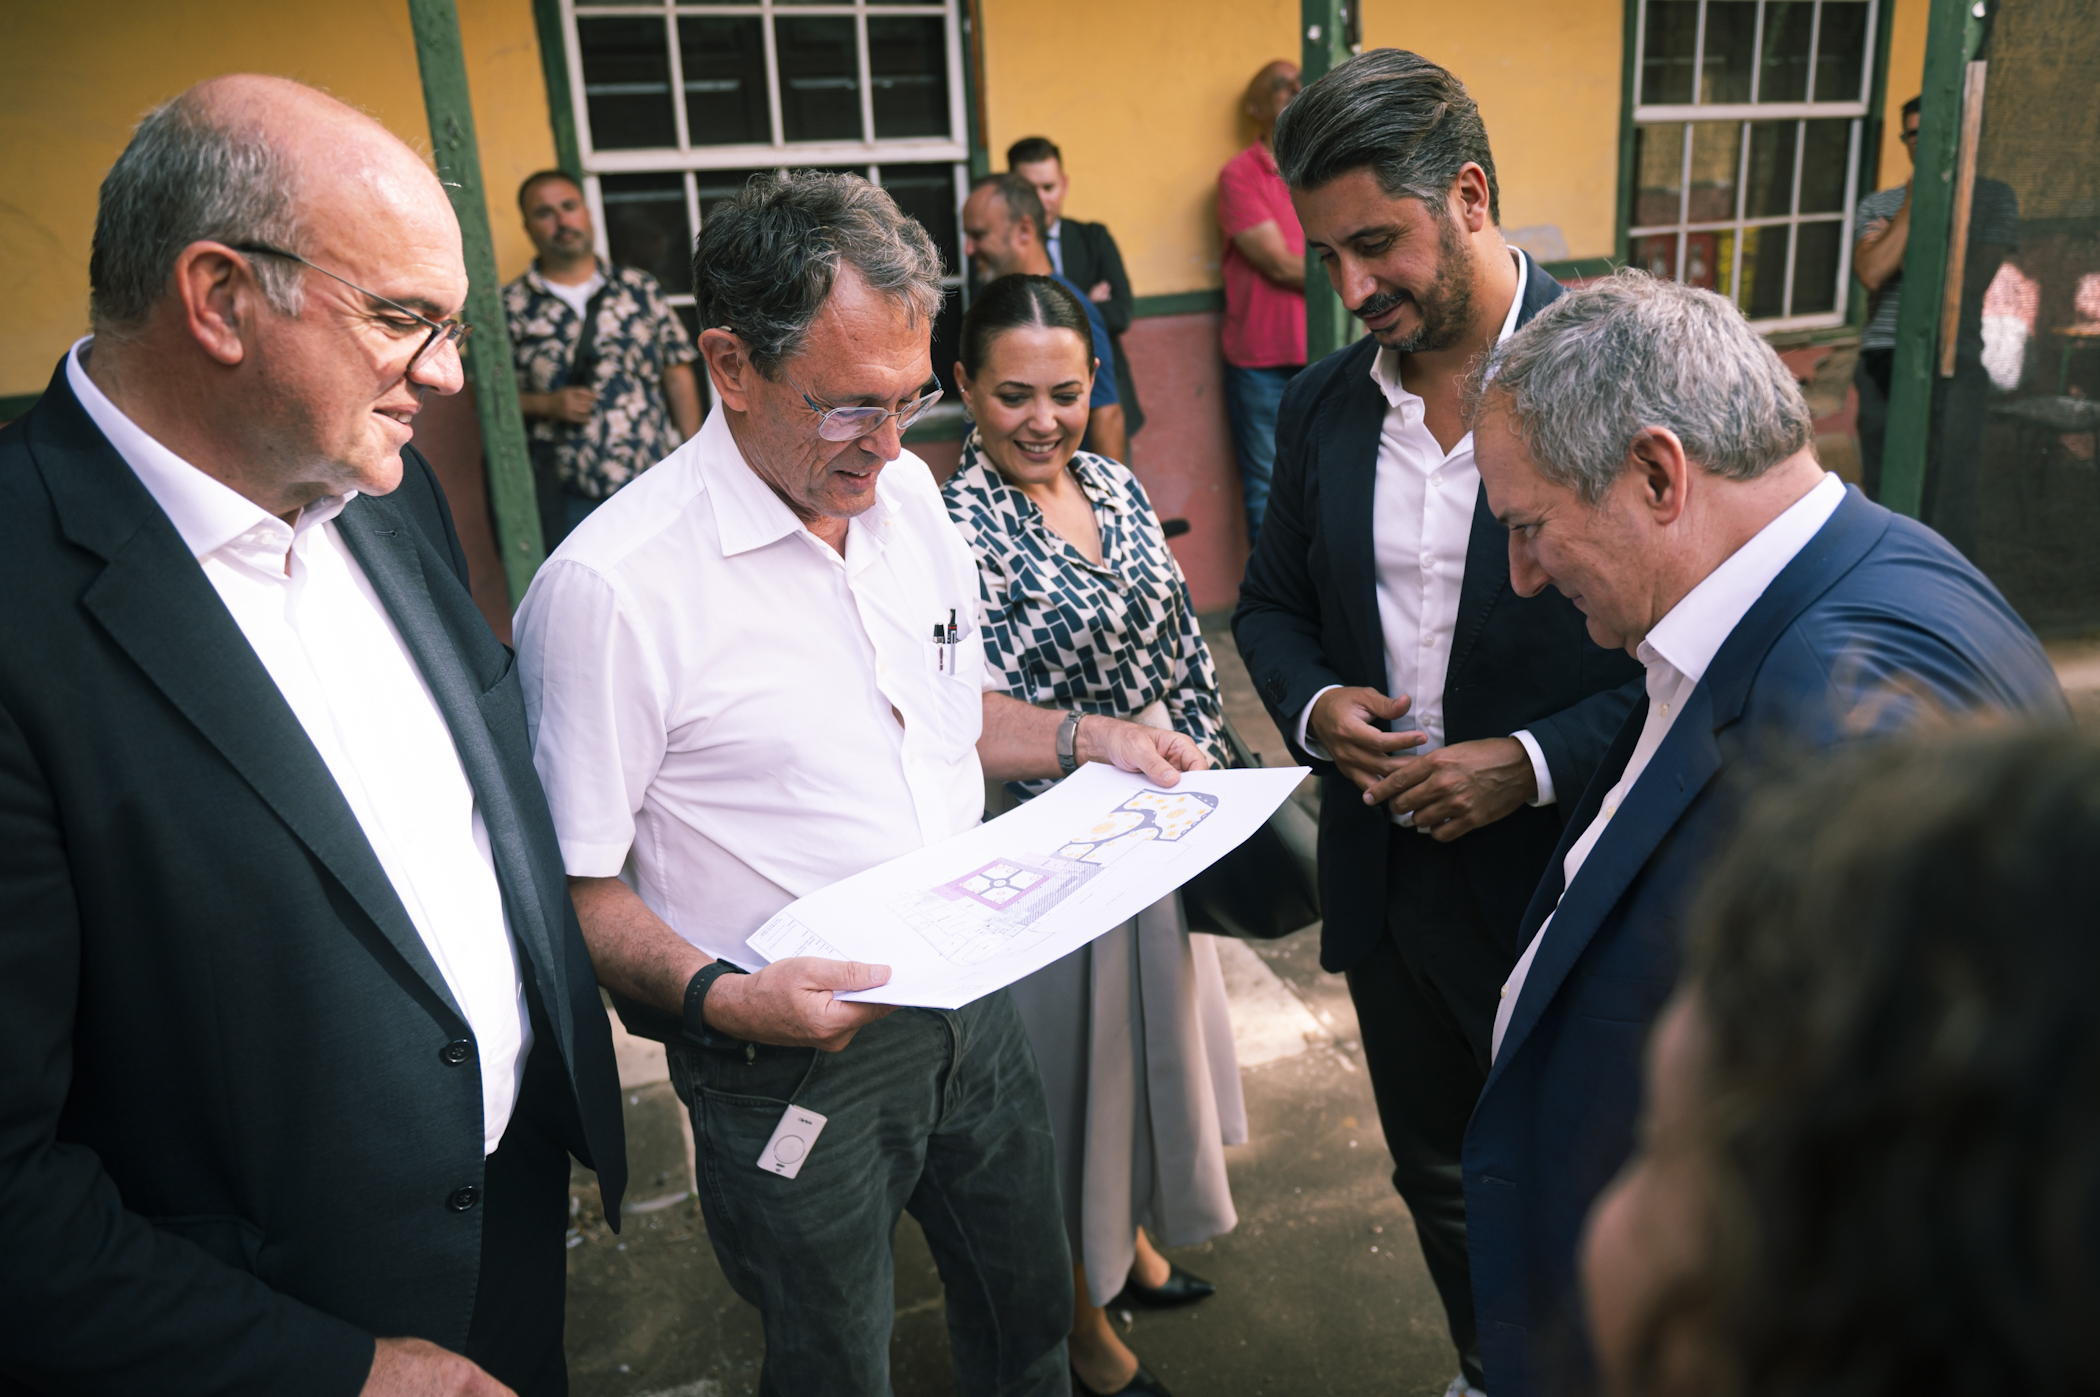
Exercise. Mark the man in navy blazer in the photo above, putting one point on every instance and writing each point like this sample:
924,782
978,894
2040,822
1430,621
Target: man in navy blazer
1442,710
1653,460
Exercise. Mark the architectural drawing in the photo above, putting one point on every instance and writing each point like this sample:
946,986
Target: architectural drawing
994,908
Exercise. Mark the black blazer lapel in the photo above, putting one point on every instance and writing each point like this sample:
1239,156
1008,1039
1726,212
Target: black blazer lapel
385,545
1347,437
155,602
1487,546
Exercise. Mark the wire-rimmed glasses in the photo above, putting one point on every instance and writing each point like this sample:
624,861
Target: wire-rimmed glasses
853,423
452,332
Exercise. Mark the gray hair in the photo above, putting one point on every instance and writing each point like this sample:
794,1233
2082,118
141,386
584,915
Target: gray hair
1405,118
191,173
1603,364
767,258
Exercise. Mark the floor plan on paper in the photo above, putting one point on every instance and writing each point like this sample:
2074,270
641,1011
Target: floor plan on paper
962,918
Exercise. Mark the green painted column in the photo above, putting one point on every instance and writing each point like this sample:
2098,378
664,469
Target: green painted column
561,98
489,364
1327,38
1954,31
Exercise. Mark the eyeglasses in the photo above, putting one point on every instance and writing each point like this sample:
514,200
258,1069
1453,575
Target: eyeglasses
1911,134
452,332
853,423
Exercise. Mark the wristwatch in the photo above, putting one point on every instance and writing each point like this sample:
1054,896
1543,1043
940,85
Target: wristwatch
693,1019
1068,744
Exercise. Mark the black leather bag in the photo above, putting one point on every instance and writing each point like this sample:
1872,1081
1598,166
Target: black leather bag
1267,888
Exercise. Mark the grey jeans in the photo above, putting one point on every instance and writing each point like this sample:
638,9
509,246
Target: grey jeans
935,1113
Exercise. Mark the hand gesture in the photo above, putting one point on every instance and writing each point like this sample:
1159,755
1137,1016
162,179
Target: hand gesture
419,1368
1343,721
1160,755
1457,789
791,1003
572,404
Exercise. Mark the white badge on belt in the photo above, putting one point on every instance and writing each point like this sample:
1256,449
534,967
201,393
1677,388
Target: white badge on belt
793,1139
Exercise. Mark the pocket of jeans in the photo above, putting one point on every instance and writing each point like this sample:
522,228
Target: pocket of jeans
770,1079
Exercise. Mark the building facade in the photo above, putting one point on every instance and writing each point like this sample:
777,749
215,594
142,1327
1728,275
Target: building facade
1724,141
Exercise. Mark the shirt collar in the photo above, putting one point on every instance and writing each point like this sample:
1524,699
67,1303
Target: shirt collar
748,515
207,513
1693,631
538,283
1385,364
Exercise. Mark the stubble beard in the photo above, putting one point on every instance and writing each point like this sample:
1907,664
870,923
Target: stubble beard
1446,307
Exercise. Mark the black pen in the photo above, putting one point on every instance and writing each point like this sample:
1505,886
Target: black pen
940,653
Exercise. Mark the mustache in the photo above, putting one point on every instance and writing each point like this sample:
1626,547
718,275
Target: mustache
1379,304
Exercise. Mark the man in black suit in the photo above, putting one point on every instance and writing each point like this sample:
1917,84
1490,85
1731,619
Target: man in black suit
1084,254
297,1028
1447,715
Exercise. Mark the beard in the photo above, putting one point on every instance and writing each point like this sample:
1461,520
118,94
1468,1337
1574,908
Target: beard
1446,307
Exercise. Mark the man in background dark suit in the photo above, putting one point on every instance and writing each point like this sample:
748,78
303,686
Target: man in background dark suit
297,1028
1446,713
1084,254
1653,460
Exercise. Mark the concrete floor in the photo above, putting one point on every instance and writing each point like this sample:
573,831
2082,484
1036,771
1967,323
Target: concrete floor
1321,1288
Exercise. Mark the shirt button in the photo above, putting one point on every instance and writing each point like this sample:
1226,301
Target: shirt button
456,1051
1666,709
463,1198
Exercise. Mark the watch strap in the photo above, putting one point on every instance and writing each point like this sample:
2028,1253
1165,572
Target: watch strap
1068,743
694,1019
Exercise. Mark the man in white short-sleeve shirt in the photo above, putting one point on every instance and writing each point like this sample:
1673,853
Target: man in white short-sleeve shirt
758,670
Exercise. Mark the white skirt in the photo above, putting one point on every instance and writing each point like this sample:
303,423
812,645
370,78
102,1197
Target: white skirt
1134,1042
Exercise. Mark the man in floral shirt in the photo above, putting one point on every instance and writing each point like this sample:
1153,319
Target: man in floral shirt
603,407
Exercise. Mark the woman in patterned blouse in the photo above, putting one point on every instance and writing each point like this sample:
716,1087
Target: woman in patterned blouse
1086,610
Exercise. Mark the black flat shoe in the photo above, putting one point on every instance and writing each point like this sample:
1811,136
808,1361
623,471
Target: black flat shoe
1142,1385
1181,1289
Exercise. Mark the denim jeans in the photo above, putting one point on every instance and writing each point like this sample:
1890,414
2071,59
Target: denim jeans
935,1113
1252,397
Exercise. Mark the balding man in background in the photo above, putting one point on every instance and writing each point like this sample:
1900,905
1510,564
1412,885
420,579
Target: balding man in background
297,1029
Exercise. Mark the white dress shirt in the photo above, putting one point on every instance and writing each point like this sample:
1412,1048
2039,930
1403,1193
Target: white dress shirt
1676,654
327,642
711,689
1421,523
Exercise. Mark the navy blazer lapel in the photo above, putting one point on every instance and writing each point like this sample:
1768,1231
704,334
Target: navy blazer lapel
1347,442
1681,768
1683,765
385,546
156,604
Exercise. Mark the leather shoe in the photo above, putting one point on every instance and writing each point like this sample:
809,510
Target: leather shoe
1143,1384
1181,1288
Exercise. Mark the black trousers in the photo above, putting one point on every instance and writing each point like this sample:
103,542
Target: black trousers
1425,1002
516,1332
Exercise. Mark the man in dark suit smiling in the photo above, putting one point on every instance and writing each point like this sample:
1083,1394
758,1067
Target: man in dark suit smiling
1447,715
297,1028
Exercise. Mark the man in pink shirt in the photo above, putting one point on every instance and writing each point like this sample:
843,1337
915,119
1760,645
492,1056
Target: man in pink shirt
1264,339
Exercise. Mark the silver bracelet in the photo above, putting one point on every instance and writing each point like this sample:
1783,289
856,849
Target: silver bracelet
1068,743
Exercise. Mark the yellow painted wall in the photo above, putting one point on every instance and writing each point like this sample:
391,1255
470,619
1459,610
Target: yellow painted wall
1546,76
1143,96
1144,145
75,77
1906,78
